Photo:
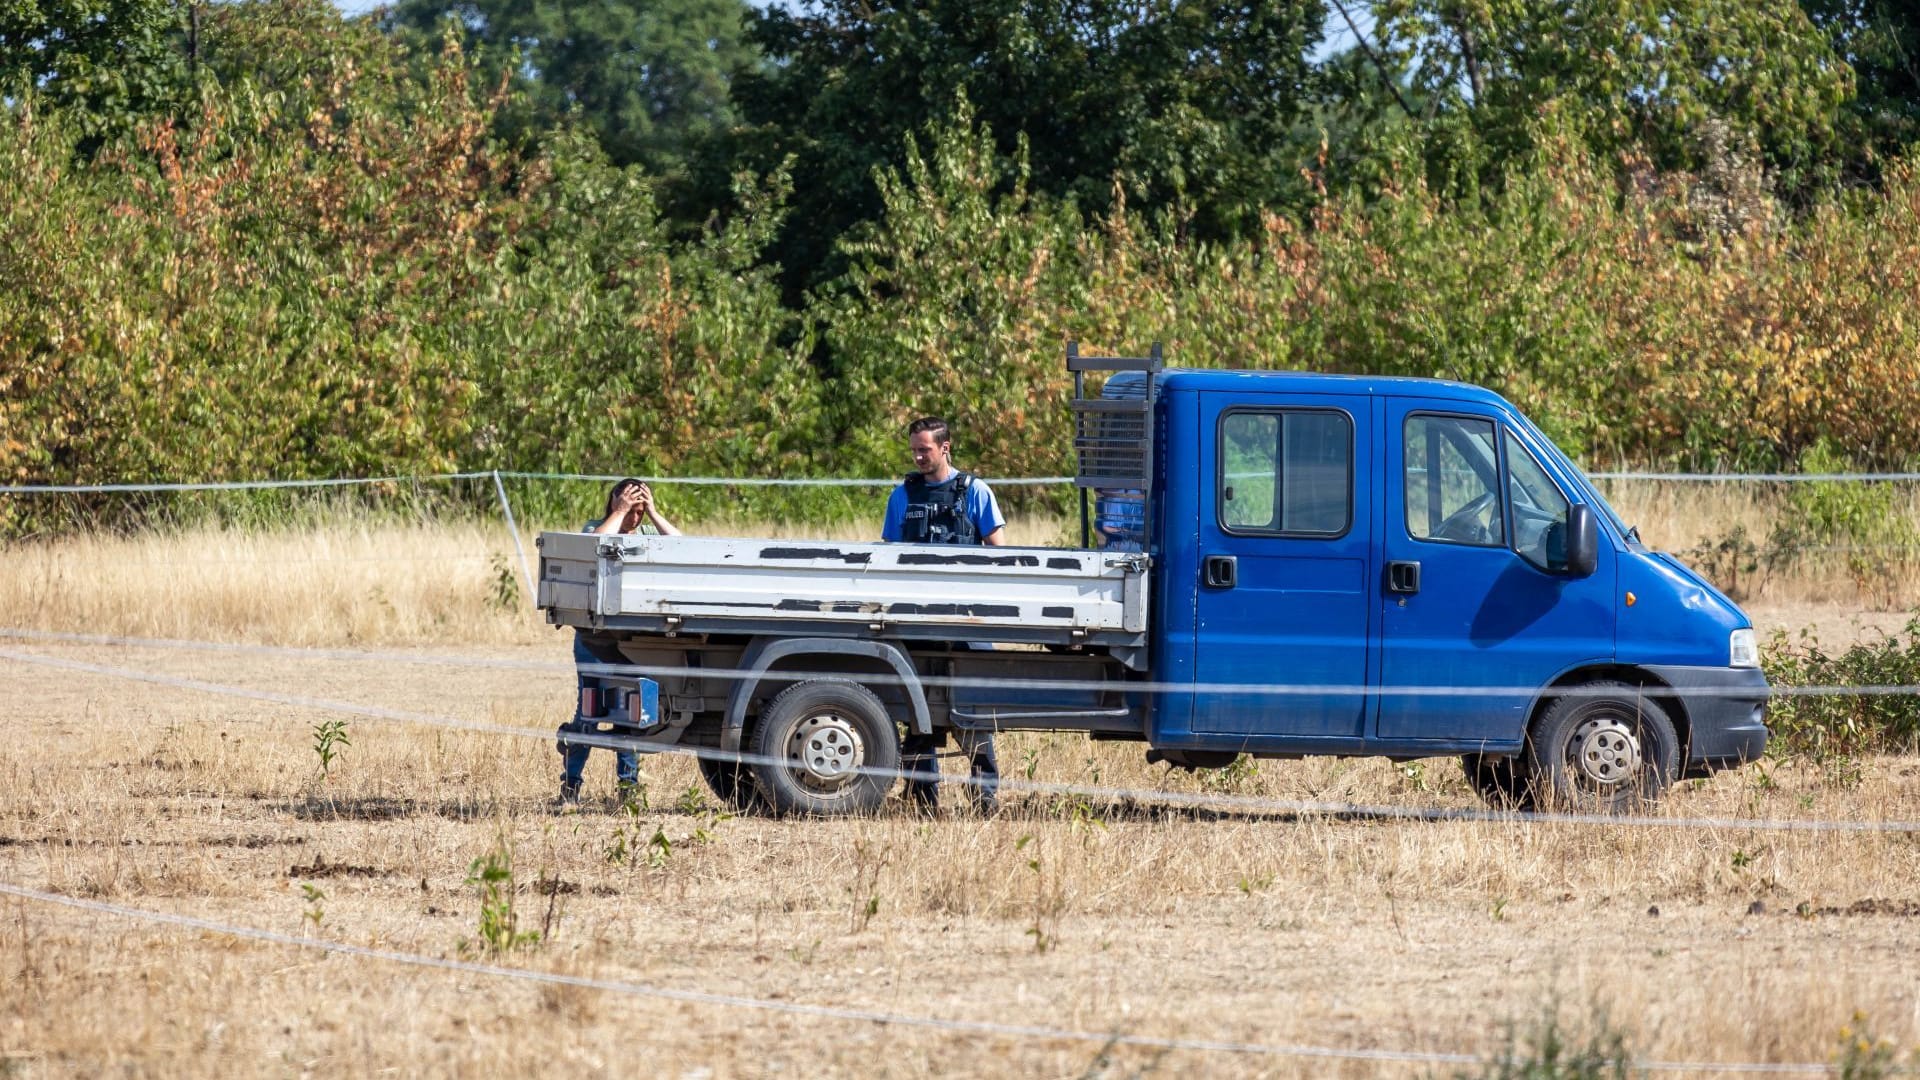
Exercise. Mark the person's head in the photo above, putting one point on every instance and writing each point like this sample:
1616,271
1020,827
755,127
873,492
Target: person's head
931,446
627,488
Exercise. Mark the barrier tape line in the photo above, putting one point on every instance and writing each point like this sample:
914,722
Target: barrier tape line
1241,803
232,485
838,1012
1759,478
769,481
858,482
891,679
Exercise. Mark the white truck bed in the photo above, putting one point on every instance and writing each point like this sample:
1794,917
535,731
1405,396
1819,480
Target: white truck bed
719,585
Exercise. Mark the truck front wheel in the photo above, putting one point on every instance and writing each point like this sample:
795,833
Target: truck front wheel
1604,748
817,740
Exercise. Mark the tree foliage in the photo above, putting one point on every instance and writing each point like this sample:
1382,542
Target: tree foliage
649,78
1640,75
322,258
1187,105
113,60
355,277
1880,41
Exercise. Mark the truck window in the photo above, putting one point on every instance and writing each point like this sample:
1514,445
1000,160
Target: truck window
1539,510
1286,472
1453,481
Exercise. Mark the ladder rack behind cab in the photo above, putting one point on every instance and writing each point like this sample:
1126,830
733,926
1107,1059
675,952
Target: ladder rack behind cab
1113,436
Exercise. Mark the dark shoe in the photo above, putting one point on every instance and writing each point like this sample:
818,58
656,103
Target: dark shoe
569,796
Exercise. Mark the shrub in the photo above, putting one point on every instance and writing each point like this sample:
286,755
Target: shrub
1837,727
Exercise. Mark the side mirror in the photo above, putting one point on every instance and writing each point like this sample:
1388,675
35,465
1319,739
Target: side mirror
1583,541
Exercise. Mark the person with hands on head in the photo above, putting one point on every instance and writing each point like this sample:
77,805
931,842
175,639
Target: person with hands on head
939,504
630,508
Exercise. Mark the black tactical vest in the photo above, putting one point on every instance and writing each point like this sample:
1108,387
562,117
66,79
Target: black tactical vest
937,513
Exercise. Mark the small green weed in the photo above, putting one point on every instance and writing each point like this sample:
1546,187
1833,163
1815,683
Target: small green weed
503,590
1253,883
1729,562
315,913
499,927
1234,778
869,862
1045,900
1414,773
1865,1056
1547,1051
329,736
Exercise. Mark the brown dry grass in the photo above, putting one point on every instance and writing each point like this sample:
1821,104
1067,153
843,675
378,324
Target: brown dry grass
1253,926
1683,517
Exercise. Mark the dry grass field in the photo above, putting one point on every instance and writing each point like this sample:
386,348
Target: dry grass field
1232,922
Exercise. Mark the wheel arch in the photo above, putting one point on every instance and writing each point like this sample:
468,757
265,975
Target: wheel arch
1656,689
767,658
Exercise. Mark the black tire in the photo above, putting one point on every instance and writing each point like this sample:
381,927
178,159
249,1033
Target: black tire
1499,781
733,784
815,735
1605,748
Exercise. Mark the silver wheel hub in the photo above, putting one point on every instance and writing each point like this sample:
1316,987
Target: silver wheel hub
1605,752
828,749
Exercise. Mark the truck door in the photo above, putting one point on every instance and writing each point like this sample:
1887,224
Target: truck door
1477,611
1285,593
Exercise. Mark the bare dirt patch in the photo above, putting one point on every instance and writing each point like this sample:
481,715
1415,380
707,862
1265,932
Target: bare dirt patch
1230,924
1834,626
1236,925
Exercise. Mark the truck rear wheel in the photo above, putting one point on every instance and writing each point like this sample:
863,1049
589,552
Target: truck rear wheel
1603,749
816,738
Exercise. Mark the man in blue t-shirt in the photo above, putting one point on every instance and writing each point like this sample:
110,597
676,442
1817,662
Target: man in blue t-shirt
939,504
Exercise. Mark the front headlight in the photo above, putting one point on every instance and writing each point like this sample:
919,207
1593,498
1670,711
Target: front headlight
1741,650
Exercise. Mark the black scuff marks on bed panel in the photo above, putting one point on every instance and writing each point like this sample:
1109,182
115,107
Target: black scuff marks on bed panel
976,611
1063,564
832,607
812,553
722,603
965,558
1056,612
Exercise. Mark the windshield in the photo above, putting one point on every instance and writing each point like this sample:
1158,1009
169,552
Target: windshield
1580,480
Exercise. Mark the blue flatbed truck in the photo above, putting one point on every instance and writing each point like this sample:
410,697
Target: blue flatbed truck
1330,565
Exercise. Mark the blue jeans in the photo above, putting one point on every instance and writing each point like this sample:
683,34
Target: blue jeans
573,755
917,757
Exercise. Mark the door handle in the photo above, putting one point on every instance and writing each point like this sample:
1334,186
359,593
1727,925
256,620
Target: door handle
1403,577
1220,572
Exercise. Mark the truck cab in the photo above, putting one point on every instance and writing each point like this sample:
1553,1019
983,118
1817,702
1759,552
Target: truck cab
1409,567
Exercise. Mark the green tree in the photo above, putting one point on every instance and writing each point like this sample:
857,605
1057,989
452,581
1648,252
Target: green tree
649,77
1645,74
1881,40
1189,106
116,59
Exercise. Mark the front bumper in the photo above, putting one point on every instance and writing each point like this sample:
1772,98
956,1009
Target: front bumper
1726,711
